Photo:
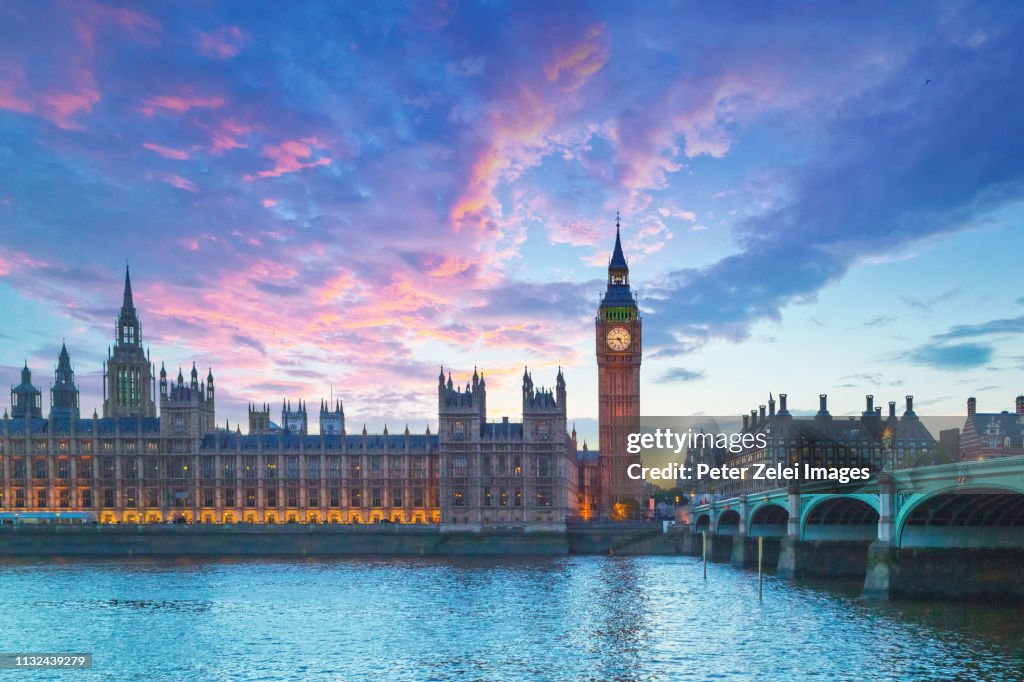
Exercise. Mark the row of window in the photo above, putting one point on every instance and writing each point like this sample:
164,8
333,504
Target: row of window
502,498
181,467
182,498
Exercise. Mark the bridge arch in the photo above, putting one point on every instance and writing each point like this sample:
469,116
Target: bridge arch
702,522
768,519
840,517
964,516
729,522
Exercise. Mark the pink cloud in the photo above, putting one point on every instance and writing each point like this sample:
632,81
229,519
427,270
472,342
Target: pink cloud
180,182
166,152
180,103
224,43
14,261
573,65
291,156
450,266
58,106
269,203
229,134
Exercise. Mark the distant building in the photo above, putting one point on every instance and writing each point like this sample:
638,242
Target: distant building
949,441
869,441
992,434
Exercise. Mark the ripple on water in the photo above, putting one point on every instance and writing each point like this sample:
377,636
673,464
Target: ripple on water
579,618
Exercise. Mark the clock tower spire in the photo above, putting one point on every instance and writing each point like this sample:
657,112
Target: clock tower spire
618,337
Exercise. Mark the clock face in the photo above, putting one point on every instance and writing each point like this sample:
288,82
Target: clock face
618,338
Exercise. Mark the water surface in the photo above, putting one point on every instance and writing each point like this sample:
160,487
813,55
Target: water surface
569,618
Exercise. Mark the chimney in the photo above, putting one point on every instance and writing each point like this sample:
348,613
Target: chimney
892,409
1020,406
910,405
782,403
878,412
771,407
823,404
753,419
972,406
762,417
870,399
746,422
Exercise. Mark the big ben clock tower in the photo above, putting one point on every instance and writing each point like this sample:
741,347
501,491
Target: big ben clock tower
618,328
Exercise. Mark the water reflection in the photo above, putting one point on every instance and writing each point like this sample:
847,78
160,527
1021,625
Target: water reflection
598,618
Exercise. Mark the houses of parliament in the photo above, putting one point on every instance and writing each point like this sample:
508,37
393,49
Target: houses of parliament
156,455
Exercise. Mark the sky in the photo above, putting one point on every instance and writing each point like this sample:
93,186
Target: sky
323,199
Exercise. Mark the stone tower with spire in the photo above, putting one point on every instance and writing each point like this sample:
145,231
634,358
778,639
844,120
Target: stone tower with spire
64,392
618,341
129,387
26,399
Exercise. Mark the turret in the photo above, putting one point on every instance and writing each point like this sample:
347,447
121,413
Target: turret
64,392
332,418
26,399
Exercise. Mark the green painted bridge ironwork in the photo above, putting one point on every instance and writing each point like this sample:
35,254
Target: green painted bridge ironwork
964,504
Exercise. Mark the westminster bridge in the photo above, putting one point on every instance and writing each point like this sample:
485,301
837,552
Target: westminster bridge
949,529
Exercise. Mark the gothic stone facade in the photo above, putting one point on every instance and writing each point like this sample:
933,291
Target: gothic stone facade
132,466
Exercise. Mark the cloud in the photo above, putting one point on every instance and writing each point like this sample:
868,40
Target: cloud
224,43
927,305
953,357
292,156
993,327
913,165
180,103
680,374
181,183
572,66
166,152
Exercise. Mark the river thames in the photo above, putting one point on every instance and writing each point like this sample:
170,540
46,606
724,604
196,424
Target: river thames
570,618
